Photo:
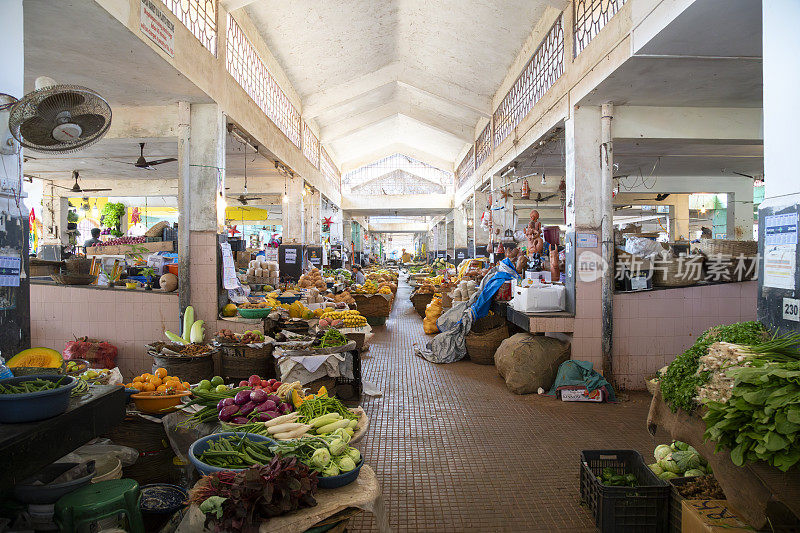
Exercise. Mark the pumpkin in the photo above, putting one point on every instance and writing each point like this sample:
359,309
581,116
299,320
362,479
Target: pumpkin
36,358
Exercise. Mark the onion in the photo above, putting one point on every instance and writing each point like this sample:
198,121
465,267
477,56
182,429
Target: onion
227,412
258,396
242,397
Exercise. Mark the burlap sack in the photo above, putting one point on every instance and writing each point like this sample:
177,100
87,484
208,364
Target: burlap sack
528,362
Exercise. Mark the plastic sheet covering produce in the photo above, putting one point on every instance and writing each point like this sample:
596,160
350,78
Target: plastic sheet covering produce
450,345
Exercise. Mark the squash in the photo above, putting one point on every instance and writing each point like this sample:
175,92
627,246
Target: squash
36,358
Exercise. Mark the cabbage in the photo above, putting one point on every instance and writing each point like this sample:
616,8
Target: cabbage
693,472
337,446
656,469
667,464
679,446
661,451
667,475
686,460
345,463
353,454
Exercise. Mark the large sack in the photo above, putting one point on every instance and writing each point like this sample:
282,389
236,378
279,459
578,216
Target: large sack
528,362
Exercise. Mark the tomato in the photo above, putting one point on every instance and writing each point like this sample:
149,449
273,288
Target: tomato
264,383
254,380
243,383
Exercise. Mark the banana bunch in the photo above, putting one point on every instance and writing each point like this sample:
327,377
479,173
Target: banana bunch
351,318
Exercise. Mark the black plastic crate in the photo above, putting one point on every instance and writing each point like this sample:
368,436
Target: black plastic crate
644,508
676,504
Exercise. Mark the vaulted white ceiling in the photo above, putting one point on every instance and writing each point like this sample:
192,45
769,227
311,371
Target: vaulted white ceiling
382,76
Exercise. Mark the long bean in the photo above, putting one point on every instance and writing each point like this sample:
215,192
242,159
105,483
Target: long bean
31,385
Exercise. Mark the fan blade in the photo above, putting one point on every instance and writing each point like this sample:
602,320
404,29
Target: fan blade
89,123
37,130
53,105
95,190
160,161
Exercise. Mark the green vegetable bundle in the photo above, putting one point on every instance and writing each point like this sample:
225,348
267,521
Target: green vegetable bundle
329,455
323,405
761,420
31,385
680,382
235,452
609,477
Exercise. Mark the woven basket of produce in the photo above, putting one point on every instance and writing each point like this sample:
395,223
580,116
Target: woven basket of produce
728,260
241,362
710,247
481,346
157,229
682,271
420,301
373,305
487,323
192,367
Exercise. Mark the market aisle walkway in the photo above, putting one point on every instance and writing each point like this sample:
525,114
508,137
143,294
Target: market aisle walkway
455,451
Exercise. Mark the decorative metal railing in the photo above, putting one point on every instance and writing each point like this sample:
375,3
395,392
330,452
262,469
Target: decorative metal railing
483,145
543,69
388,167
466,168
310,145
329,170
247,68
590,17
199,17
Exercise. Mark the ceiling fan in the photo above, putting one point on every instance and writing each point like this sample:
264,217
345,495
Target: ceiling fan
659,198
540,198
77,188
148,165
244,198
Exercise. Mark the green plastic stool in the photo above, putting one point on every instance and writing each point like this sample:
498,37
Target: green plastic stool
103,505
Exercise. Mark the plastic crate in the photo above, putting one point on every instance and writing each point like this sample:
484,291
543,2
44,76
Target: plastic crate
644,508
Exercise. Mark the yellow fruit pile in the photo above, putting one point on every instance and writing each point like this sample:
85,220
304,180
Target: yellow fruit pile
385,290
370,287
158,382
351,318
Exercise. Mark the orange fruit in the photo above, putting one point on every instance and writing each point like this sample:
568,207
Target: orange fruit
138,379
161,388
139,386
155,380
161,372
149,387
186,385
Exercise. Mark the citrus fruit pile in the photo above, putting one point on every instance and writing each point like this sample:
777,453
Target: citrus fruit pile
160,381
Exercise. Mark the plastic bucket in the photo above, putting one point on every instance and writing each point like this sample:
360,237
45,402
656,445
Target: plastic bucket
106,467
33,406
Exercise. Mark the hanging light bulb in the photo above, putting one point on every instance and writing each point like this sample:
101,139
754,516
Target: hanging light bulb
544,180
285,198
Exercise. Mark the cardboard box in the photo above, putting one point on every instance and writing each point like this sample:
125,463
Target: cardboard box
581,394
710,516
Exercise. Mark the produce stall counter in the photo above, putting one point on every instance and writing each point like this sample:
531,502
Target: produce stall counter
27,448
364,493
48,281
557,322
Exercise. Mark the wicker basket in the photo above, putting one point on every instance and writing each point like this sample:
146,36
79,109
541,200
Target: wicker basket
489,322
709,247
482,346
68,278
239,362
420,302
677,272
728,260
373,305
191,368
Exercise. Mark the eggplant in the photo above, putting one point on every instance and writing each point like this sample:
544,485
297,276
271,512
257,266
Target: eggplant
275,398
227,401
242,397
284,408
269,405
247,408
222,404
258,396
228,412
266,416
239,420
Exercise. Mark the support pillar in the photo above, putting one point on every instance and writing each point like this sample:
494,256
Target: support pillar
584,215
460,226
315,220
740,211
293,223
679,218
607,236
480,201
201,169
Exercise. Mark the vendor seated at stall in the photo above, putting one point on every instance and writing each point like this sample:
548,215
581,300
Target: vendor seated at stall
358,275
95,240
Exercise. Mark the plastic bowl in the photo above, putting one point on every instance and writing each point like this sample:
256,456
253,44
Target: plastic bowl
288,299
39,489
33,406
202,444
255,313
158,502
149,402
334,482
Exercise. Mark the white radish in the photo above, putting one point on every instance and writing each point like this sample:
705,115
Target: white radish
282,428
281,419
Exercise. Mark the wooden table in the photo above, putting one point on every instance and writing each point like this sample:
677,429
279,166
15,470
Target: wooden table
27,448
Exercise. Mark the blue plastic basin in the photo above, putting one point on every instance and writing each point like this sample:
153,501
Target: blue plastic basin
33,406
203,444
288,299
334,482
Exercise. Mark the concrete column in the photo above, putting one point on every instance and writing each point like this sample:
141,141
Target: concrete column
201,185
315,220
293,211
679,218
740,211
584,215
480,202
460,226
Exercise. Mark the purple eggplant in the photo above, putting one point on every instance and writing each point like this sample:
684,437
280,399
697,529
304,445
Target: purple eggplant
228,412
258,396
266,416
247,408
275,398
284,408
220,405
240,420
242,397
227,401
269,405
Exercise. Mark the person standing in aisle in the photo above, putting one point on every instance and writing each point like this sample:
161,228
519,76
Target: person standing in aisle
358,275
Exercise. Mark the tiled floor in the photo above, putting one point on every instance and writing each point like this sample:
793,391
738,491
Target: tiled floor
455,451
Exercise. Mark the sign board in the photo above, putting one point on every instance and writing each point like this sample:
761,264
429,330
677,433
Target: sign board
10,270
587,240
157,26
791,309
314,255
441,254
